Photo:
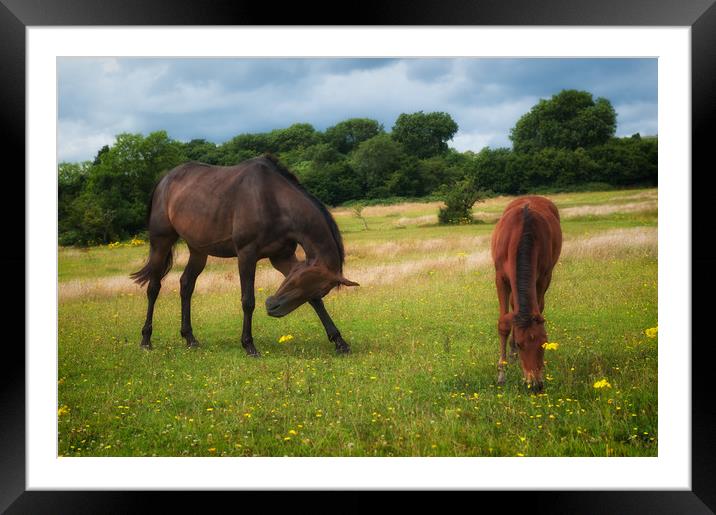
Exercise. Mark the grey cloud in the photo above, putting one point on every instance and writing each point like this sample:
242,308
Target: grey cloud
216,99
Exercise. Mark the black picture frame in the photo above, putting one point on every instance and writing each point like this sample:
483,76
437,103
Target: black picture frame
699,15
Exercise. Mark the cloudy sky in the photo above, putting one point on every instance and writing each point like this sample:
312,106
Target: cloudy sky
216,99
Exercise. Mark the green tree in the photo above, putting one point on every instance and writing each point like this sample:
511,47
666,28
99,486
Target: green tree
297,136
121,182
202,151
424,134
71,181
333,183
627,161
374,161
319,155
491,168
242,147
570,119
348,134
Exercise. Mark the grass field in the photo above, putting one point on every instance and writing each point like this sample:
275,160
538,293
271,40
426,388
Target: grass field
421,378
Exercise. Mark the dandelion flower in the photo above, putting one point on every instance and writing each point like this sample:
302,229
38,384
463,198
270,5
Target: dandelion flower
550,346
602,383
652,332
63,410
285,338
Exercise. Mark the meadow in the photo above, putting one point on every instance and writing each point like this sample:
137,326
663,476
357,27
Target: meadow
421,378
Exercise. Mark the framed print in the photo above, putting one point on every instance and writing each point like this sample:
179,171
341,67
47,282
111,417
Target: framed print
49,464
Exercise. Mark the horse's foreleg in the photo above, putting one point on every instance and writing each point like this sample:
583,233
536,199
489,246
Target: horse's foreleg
504,325
331,330
247,273
511,339
285,264
188,279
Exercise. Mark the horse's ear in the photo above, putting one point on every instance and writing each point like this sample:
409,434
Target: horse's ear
347,282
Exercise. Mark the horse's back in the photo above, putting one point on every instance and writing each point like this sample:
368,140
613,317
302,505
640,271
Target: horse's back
544,221
199,202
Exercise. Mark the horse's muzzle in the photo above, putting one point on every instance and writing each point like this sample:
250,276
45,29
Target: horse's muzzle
274,307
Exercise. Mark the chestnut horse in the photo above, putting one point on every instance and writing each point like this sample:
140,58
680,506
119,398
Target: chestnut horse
254,210
526,244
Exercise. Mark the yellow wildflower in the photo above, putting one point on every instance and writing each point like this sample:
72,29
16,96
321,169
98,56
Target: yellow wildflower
550,346
63,410
602,383
285,338
652,332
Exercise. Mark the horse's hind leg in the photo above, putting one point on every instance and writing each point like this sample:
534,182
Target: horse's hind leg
194,267
284,265
160,249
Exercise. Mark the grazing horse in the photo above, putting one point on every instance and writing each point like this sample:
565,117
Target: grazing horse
256,209
526,244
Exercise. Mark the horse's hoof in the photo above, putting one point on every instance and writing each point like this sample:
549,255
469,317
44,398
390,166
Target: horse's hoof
146,346
254,353
501,378
192,344
343,349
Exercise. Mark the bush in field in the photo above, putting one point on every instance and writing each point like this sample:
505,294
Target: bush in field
458,203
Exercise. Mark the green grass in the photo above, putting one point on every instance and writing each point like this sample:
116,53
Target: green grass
420,380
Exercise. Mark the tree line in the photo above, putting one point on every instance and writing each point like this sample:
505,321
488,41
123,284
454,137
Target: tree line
565,142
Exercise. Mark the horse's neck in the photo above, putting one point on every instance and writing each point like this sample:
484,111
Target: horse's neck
318,242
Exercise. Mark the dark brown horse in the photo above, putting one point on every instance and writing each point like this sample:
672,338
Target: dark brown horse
256,209
525,248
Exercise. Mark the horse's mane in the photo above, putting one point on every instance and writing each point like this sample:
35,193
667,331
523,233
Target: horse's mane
524,269
288,175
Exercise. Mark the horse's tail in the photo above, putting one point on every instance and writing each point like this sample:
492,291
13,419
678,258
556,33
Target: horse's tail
142,276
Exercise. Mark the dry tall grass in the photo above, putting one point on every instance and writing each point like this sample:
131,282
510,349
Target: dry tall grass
452,255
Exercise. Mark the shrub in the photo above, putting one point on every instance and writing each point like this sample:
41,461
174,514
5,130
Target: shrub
458,203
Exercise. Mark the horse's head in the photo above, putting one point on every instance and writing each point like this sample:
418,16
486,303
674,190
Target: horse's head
530,336
305,282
